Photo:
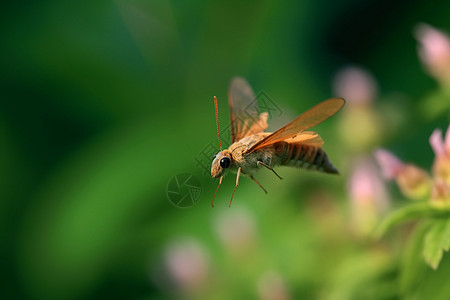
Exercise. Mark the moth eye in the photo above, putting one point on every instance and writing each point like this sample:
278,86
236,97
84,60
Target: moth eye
225,162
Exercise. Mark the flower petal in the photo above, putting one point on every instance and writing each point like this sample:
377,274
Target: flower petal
390,165
434,51
435,45
437,144
447,140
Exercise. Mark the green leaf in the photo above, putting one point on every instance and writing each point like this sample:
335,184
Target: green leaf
436,241
414,270
408,213
435,105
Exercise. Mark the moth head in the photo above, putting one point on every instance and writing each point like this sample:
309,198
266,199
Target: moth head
221,162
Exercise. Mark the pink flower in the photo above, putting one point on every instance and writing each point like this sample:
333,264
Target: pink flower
187,264
390,165
434,51
359,88
366,185
355,85
440,194
368,195
441,149
236,229
413,182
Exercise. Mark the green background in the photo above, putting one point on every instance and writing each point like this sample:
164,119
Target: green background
104,102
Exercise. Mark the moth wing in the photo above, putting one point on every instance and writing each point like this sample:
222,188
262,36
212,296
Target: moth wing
310,118
309,138
245,119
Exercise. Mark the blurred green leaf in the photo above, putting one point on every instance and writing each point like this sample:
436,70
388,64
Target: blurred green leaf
408,213
413,266
430,284
435,105
436,241
417,280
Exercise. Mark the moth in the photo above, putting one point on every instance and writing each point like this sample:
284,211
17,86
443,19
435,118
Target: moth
252,148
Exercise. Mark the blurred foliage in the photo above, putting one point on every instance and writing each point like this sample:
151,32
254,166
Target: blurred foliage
104,102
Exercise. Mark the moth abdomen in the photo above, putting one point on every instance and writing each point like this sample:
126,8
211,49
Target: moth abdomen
305,157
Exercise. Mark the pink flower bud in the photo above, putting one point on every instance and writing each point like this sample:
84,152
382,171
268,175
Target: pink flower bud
434,51
447,140
437,144
390,165
413,182
187,264
368,195
355,85
441,149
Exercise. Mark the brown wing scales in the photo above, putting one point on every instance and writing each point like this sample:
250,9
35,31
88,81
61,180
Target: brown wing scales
310,118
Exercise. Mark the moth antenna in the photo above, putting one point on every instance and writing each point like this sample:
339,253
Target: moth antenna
217,122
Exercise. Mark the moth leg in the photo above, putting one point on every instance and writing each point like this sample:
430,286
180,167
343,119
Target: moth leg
237,183
253,178
220,182
268,167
